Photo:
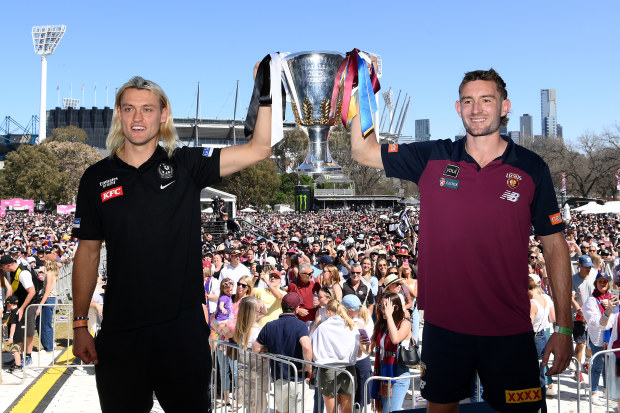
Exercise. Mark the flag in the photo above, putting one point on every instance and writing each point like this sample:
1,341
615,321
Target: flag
405,224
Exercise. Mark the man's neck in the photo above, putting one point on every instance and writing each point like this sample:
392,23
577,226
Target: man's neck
484,149
584,275
136,155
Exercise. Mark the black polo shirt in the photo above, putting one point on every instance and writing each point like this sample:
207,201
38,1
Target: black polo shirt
150,220
363,292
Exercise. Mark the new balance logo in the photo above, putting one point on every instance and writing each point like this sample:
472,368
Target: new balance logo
510,196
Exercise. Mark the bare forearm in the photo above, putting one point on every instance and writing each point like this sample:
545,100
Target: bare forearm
84,278
365,150
559,271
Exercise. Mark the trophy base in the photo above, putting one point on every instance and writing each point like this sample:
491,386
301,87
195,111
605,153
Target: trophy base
311,166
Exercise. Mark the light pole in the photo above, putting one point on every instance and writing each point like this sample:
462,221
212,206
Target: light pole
45,39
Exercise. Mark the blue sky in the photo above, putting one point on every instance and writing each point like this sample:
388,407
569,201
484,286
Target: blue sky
570,46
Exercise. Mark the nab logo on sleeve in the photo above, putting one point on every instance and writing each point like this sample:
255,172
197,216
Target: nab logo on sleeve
112,193
555,219
393,147
207,152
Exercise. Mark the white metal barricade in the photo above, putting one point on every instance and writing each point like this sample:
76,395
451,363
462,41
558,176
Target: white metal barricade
61,354
609,367
390,385
255,382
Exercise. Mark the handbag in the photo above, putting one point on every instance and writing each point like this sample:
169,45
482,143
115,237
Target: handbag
409,356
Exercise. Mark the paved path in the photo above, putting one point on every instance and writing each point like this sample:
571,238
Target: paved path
72,389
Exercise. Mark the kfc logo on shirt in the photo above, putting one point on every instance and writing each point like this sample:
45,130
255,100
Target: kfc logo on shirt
112,193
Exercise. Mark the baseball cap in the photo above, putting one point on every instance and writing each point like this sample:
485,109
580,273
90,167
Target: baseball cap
599,276
235,252
535,277
270,261
325,259
351,302
6,259
12,300
294,239
293,300
586,261
275,273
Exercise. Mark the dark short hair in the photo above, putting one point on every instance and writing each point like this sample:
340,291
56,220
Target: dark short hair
492,76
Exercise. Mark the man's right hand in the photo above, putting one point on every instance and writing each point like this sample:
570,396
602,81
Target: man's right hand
84,346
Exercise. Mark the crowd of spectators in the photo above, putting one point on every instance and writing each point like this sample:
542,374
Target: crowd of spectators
329,256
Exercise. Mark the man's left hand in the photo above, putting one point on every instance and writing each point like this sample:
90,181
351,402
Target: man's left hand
561,345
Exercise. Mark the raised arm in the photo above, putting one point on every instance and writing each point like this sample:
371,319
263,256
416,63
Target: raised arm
365,150
238,157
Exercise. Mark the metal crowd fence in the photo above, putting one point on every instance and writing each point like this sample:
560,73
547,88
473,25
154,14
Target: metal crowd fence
609,372
61,332
252,382
390,386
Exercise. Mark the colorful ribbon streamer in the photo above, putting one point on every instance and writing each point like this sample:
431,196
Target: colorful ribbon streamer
353,72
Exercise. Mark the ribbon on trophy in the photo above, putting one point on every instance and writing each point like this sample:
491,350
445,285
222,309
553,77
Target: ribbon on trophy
268,90
353,72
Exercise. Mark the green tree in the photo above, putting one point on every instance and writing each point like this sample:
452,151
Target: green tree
285,194
590,163
291,151
368,181
31,172
255,185
73,159
68,134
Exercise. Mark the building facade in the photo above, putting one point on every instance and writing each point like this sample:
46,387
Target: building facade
422,130
548,113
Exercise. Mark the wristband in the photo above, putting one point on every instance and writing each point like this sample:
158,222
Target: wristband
80,323
563,330
606,316
80,318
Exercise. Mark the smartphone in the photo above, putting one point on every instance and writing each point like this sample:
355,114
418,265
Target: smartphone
364,336
615,293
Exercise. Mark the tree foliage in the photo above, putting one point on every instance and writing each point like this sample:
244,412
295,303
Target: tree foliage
68,134
291,151
285,194
590,163
73,159
31,172
255,185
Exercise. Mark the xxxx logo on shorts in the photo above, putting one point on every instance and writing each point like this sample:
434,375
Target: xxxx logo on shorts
524,396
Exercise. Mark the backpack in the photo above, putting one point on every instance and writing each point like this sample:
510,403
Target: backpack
37,283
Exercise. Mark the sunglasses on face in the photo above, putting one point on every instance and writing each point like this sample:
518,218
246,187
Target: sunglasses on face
393,272
242,285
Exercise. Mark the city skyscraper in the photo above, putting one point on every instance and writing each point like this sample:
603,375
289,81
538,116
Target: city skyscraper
422,130
548,114
526,123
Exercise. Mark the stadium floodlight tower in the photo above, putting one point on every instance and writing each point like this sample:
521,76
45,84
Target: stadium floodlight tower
45,40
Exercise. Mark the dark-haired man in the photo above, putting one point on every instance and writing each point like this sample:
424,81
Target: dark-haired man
144,201
482,194
287,336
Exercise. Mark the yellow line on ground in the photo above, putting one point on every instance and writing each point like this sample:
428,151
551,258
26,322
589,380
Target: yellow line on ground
42,385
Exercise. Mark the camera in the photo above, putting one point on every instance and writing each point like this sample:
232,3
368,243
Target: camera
339,254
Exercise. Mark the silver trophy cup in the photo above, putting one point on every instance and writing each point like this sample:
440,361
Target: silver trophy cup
309,81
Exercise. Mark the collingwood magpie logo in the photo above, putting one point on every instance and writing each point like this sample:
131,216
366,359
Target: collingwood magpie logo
165,170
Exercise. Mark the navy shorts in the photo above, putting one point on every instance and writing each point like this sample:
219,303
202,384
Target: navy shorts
507,366
580,332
